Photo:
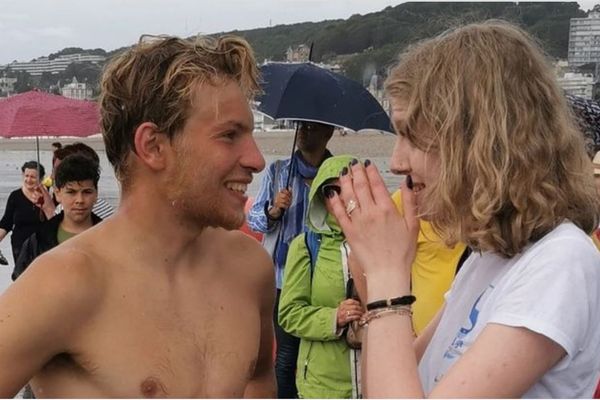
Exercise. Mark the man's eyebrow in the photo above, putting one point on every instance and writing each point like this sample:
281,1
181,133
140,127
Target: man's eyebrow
234,124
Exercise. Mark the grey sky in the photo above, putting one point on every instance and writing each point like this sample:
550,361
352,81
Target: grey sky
33,28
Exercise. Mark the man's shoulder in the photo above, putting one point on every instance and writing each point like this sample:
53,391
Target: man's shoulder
244,244
65,277
241,249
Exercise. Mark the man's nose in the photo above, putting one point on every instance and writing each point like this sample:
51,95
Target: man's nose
252,157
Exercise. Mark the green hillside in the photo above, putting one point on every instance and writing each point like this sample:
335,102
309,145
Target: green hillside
363,44
372,41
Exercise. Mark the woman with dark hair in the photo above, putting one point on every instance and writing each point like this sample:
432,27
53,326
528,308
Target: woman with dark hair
26,207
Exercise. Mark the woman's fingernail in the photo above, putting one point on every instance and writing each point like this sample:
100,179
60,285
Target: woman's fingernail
367,162
409,182
354,161
344,171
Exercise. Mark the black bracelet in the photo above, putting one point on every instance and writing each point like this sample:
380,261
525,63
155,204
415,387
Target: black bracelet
396,301
269,217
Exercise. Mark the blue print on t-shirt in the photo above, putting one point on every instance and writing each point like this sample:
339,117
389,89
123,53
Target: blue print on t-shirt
456,348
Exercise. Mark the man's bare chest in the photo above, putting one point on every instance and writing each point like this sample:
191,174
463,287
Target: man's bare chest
150,349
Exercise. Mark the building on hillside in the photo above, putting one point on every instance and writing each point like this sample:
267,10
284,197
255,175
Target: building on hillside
57,65
299,53
7,86
584,39
77,90
577,84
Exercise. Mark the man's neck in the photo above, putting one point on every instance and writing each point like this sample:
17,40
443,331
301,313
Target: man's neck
147,214
76,227
314,158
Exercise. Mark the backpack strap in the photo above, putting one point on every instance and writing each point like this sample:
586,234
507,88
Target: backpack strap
312,241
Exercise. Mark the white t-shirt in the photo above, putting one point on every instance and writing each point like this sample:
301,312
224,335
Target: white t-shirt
552,288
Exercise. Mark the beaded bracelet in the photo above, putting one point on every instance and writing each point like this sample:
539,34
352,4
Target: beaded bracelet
396,301
382,312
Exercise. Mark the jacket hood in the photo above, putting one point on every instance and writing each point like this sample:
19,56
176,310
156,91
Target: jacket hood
317,216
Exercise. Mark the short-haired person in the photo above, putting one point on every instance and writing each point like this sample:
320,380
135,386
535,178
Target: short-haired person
165,298
494,161
76,182
101,207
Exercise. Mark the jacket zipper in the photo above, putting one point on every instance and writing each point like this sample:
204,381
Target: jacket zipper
306,360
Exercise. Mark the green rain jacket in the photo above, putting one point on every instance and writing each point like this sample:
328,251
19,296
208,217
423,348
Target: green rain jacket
327,367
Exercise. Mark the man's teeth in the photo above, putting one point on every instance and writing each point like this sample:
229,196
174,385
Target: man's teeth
237,187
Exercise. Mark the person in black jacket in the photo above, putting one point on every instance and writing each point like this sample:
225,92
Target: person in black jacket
77,190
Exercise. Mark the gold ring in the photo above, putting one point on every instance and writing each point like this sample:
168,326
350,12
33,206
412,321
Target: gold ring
347,313
351,206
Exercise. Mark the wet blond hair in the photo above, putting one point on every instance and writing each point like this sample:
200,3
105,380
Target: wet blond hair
155,80
512,163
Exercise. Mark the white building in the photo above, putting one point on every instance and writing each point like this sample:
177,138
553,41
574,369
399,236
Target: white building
43,64
7,86
578,84
76,90
584,39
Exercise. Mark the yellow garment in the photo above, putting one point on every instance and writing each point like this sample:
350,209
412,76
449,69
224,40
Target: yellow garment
432,271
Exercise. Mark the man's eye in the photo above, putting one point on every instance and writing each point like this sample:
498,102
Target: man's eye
230,135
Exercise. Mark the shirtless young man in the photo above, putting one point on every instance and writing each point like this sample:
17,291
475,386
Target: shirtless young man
159,300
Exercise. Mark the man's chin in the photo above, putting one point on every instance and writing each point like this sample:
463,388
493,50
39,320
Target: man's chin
229,222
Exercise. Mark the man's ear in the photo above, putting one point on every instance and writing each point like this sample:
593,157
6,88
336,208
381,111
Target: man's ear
57,194
151,145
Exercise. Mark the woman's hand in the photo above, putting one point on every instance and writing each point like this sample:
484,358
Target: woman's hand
47,204
349,310
383,241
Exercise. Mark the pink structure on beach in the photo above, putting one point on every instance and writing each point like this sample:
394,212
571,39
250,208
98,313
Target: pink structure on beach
36,113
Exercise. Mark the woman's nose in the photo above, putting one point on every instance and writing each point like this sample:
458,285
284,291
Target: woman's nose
399,163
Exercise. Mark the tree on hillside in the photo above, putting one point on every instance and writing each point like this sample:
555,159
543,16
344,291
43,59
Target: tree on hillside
24,82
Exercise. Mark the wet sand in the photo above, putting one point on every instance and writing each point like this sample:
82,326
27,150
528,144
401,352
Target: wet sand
364,144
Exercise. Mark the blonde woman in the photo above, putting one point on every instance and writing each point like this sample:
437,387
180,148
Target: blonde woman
492,160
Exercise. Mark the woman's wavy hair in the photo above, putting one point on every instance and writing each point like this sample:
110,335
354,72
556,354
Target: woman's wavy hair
155,81
513,163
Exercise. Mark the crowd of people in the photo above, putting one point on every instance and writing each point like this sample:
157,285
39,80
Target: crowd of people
478,278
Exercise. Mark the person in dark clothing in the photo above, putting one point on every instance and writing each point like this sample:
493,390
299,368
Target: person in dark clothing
77,189
26,207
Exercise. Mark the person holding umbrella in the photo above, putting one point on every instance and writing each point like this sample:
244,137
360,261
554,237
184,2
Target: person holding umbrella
279,211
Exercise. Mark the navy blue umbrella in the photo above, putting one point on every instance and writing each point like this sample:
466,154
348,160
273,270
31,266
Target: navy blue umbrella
587,115
306,92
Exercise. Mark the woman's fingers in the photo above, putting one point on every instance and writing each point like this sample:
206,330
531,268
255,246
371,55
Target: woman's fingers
361,185
409,205
338,209
378,189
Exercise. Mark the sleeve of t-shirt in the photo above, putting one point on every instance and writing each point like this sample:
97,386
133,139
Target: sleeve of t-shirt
554,292
7,220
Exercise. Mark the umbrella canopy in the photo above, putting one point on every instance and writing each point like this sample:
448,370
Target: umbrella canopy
307,92
37,113
587,113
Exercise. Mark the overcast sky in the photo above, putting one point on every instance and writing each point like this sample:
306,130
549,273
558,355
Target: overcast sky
33,28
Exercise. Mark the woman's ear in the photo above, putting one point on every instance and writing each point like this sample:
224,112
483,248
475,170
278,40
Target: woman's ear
151,145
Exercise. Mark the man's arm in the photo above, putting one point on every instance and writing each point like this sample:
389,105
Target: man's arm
33,329
262,384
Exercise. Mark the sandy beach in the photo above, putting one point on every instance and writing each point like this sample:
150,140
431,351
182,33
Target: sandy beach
277,142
